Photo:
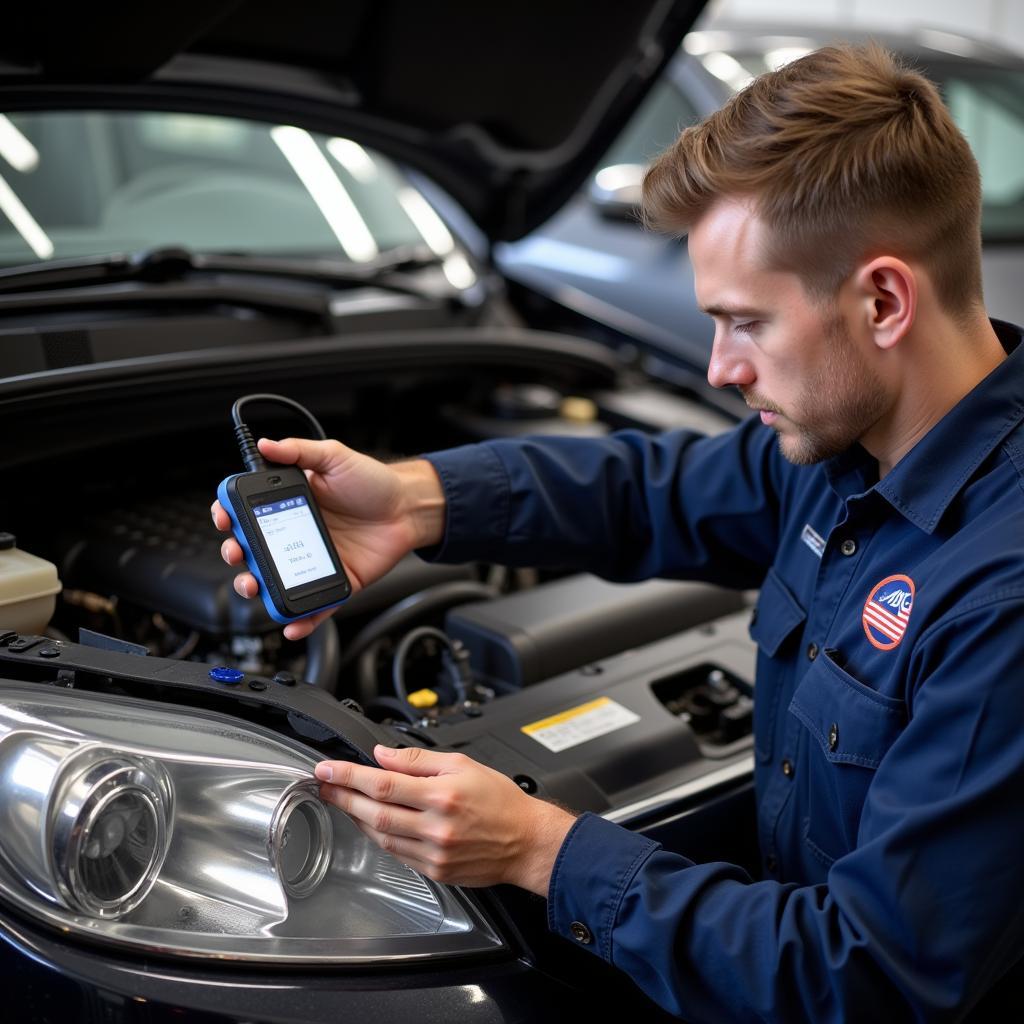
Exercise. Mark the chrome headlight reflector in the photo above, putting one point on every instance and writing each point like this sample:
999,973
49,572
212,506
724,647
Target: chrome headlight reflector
188,832
109,833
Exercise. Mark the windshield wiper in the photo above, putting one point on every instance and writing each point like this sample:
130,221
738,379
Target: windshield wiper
173,263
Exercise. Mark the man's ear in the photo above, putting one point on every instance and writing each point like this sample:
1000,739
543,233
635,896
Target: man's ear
887,290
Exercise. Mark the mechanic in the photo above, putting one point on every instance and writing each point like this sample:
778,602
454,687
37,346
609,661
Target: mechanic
833,215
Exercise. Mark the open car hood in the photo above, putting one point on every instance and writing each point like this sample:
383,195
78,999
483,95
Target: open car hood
507,106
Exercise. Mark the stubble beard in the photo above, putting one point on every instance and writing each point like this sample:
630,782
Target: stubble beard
837,405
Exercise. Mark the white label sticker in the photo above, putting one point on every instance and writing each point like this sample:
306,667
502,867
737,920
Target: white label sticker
577,725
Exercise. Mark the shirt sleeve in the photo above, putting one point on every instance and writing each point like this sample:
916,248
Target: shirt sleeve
627,507
916,923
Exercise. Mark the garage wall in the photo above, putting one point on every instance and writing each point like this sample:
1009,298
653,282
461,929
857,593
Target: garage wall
996,21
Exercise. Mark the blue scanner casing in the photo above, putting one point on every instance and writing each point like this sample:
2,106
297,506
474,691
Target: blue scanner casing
238,495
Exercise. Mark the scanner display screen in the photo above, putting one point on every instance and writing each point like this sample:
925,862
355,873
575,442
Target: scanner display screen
293,541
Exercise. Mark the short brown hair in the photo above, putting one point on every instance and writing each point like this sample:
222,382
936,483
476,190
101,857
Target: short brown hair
847,153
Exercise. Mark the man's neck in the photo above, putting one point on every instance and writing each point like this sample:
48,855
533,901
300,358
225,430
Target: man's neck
940,363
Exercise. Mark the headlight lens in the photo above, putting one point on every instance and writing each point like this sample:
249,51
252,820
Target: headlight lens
193,833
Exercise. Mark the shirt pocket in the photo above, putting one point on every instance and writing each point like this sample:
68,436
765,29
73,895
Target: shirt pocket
776,618
850,728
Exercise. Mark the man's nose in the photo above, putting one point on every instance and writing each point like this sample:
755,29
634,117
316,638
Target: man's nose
728,365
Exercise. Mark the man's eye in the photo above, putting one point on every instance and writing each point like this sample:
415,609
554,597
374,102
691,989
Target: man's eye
747,327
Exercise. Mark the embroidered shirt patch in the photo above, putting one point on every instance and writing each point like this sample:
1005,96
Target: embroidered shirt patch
813,539
887,611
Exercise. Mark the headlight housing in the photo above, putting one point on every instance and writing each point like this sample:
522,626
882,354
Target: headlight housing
192,833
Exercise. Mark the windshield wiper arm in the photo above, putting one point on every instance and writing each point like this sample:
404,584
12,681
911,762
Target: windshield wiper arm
327,269
172,263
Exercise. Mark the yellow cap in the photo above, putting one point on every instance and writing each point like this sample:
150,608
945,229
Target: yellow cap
423,698
578,410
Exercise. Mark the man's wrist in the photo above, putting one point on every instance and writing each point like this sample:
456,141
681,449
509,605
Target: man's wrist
549,826
424,501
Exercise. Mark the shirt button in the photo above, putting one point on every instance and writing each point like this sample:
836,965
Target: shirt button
771,862
787,768
833,736
848,547
812,651
581,933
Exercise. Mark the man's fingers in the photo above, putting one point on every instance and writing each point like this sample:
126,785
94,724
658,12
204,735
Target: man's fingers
303,627
417,761
389,819
220,518
246,585
231,552
384,786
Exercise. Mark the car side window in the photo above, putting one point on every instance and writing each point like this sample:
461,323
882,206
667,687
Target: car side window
989,110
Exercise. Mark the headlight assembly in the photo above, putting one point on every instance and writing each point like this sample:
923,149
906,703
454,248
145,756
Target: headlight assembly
191,833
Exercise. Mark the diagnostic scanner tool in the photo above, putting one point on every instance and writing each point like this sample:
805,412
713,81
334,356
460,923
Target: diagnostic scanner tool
276,520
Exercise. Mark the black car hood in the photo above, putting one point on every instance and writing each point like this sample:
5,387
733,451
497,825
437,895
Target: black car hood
508,106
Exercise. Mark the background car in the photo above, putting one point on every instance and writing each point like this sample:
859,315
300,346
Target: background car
597,264
227,199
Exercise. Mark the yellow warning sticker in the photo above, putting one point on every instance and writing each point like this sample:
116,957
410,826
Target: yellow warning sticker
581,723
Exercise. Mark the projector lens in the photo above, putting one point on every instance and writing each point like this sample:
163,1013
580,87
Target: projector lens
110,835
301,842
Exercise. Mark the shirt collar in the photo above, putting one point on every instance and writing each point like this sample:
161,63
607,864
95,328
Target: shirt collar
923,483
851,473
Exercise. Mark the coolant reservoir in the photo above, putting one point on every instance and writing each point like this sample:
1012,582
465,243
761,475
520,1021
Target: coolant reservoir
28,588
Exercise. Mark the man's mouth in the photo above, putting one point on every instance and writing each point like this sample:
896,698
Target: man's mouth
769,411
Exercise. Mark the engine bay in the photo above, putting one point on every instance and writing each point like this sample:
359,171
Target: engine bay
477,656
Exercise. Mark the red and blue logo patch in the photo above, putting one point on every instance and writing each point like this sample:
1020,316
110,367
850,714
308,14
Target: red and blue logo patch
887,611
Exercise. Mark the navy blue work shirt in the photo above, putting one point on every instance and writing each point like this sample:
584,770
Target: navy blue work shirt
889,709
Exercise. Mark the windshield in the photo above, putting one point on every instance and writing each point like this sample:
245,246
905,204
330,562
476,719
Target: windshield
76,184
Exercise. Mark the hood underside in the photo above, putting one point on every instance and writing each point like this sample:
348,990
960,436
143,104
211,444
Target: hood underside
506,106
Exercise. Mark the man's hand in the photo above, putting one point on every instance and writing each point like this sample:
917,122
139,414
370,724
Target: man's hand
375,513
449,817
